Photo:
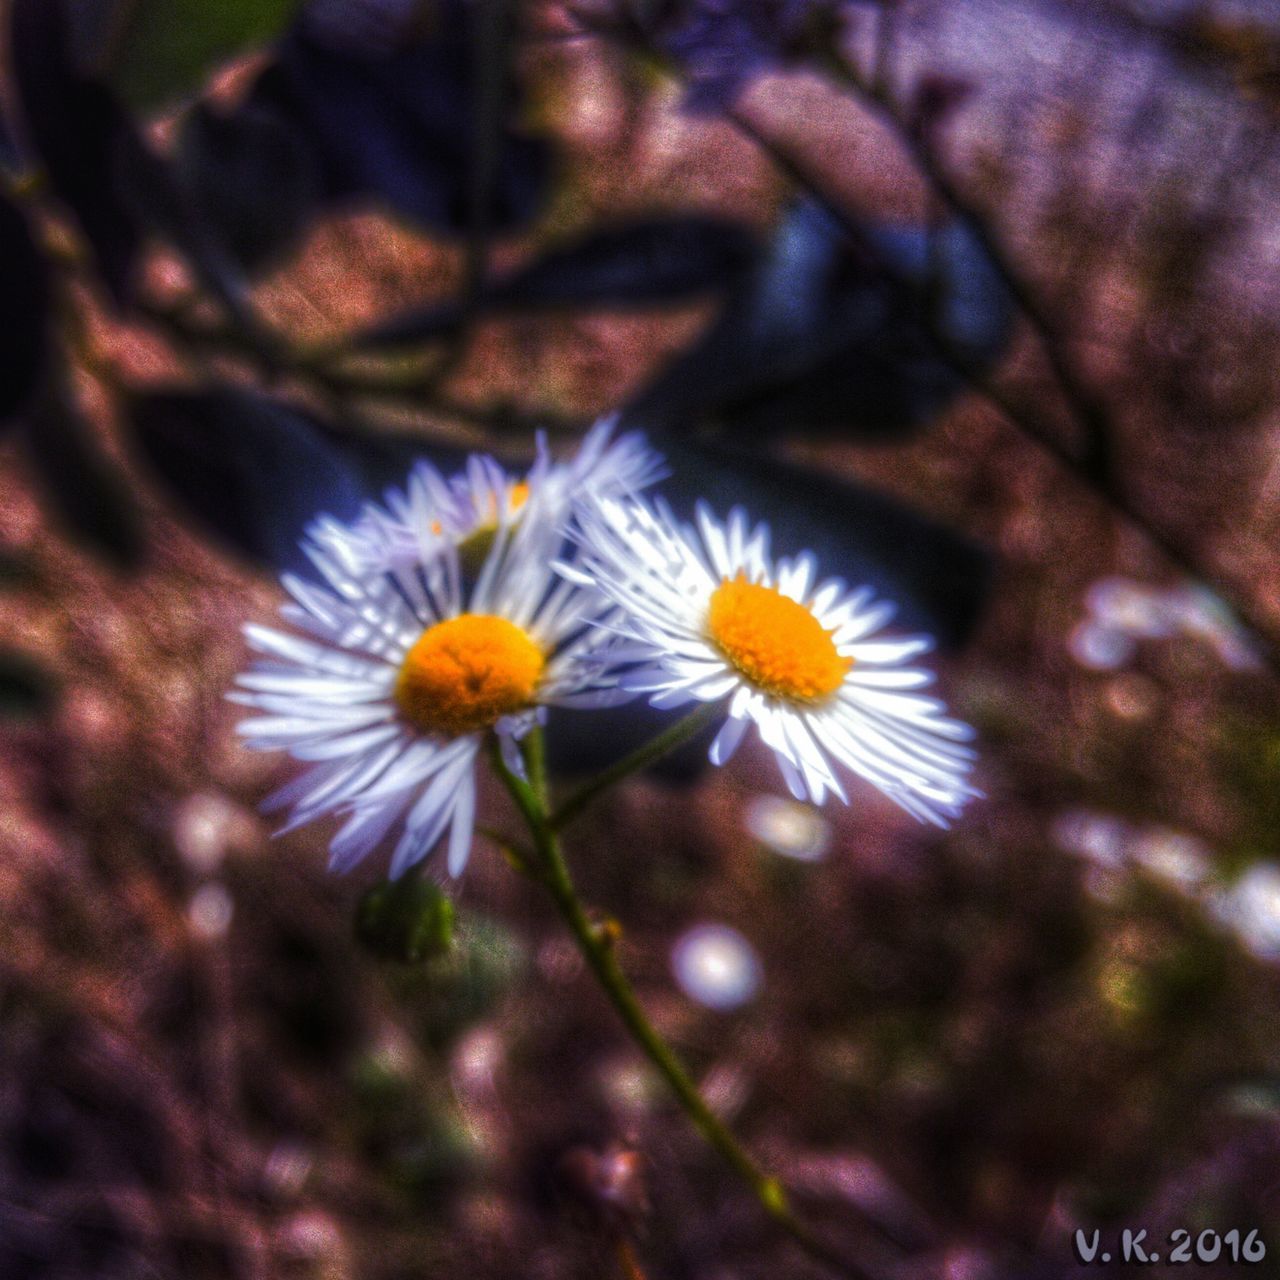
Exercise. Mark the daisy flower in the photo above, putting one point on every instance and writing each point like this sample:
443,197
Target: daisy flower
707,615
408,664
468,508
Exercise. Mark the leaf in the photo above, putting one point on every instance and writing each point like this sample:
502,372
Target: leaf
492,54
384,461
101,167
407,920
397,127
77,129
165,49
10,152
151,189
26,689
652,261
251,471
24,313
17,570
828,336
252,177
88,494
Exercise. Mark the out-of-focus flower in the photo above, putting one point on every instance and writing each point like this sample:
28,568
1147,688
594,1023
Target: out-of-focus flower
1111,843
707,616
1174,856
1100,647
609,1184
716,966
1250,908
210,912
468,508
788,827
205,826
1122,612
1131,608
409,669
1099,837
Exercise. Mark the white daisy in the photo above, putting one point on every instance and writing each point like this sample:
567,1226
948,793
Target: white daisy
706,615
410,665
468,507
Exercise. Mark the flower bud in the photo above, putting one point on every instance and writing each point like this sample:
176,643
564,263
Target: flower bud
407,920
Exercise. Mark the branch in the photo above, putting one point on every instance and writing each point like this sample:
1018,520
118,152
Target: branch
598,948
1088,409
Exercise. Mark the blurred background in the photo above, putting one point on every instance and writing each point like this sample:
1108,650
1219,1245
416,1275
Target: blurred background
980,301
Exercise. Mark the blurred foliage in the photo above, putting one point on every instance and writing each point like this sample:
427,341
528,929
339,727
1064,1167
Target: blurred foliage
971,1040
408,920
159,50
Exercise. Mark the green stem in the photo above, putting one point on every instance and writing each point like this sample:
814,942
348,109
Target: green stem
597,946
651,752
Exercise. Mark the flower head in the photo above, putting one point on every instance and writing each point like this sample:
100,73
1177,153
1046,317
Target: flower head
467,509
410,662
707,615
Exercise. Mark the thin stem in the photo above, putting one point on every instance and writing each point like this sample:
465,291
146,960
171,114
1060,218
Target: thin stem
322,369
597,945
1085,405
651,752
627,1260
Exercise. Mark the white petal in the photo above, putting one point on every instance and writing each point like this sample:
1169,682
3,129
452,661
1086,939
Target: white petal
727,740
464,815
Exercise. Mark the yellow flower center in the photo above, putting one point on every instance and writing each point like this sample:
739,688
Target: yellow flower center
465,673
775,642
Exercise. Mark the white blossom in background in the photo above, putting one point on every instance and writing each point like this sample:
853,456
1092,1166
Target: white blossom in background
716,966
788,827
1120,613
1113,845
1250,908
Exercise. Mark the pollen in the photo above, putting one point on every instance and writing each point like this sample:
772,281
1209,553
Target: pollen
466,673
775,642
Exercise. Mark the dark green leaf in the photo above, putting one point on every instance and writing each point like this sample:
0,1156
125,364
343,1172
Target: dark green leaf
252,177
397,126
651,262
87,493
407,920
151,190
832,336
78,130
17,570
24,308
251,471
26,689
165,49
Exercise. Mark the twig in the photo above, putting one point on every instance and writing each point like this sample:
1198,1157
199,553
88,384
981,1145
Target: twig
1092,415
598,948
651,752
341,385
